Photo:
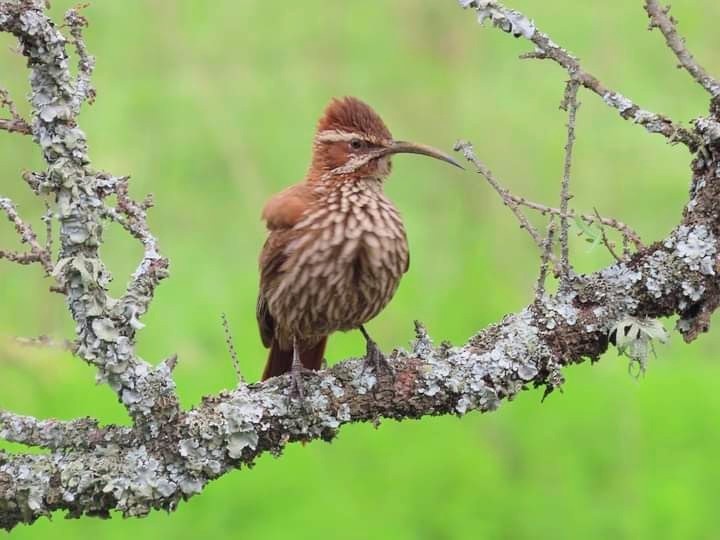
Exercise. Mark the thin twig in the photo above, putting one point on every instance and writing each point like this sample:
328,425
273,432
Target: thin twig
16,124
48,219
84,90
660,18
27,236
514,201
508,199
569,104
514,22
231,349
613,223
626,247
609,245
7,102
545,260
153,268
46,342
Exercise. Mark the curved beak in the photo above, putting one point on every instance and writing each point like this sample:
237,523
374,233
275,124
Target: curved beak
405,147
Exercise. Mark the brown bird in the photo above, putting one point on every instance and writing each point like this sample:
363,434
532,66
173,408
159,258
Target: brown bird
336,247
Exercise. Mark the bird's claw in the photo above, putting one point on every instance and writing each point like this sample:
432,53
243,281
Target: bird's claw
297,388
375,359
297,370
297,385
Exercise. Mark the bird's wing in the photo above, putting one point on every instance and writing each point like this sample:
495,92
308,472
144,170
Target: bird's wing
284,210
272,258
266,323
281,213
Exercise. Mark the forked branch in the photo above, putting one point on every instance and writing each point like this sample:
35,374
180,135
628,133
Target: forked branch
16,123
519,25
37,254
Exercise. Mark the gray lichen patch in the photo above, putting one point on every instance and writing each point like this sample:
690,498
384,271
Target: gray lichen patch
479,378
508,20
709,129
696,246
557,309
618,101
82,433
618,281
619,277
657,281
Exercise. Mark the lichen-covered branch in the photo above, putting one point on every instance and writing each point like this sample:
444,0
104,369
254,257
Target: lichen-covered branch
83,433
517,24
168,455
105,326
232,429
153,267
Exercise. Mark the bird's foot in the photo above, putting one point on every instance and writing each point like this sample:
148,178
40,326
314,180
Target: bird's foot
297,388
375,359
297,370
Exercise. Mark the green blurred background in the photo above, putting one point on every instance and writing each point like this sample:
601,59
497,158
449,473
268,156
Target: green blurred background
211,107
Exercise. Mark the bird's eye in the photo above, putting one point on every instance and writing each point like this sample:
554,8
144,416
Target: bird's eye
356,144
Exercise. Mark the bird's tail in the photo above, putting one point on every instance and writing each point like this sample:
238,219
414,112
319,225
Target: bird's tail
280,360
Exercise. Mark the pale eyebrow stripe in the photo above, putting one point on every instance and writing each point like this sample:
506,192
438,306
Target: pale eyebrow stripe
332,135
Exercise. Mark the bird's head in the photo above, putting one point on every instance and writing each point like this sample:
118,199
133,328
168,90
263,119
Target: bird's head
353,141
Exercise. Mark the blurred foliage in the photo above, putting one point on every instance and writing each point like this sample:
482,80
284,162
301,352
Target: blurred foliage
212,106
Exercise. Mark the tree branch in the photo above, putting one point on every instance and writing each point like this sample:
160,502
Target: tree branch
83,433
545,261
613,223
16,124
230,430
27,236
105,327
517,24
606,241
570,105
508,198
514,202
660,18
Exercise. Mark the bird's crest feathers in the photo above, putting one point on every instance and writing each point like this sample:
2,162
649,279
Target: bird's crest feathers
350,115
